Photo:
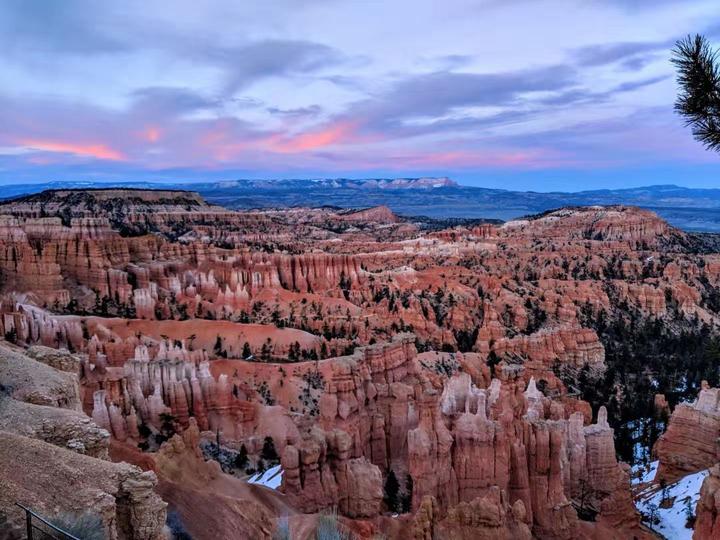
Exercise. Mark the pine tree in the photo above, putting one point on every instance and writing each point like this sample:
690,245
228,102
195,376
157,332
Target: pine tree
392,488
241,460
265,352
268,452
218,348
406,499
492,361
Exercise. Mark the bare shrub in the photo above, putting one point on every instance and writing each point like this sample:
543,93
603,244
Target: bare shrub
86,526
329,528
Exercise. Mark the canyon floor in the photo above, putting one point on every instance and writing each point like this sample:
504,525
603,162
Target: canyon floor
170,368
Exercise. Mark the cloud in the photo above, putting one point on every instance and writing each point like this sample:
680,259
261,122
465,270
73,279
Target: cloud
307,112
436,94
171,100
577,96
631,86
67,26
312,140
248,63
631,55
94,150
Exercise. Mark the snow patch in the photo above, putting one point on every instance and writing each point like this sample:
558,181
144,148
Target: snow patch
642,474
271,478
671,521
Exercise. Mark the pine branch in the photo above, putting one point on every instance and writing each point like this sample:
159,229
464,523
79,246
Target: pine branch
698,69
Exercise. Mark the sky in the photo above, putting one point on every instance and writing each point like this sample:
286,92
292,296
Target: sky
520,94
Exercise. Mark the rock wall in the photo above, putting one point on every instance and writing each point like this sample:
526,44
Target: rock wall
690,443
707,512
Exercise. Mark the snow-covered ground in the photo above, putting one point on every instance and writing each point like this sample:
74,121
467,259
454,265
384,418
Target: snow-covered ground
271,478
642,474
671,520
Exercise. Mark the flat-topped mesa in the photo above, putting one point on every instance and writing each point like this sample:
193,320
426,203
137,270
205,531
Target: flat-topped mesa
690,443
87,201
131,212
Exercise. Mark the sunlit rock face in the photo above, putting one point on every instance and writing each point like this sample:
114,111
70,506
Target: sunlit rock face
359,344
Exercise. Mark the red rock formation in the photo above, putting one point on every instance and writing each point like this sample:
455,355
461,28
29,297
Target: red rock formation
487,457
319,474
489,517
609,224
690,443
209,502
707,512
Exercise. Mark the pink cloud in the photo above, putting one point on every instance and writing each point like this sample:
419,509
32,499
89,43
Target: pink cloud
151,134
95,150
334,134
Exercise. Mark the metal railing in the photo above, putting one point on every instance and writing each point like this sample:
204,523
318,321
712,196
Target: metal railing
38,528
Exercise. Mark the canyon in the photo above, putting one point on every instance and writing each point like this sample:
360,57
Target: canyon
408,377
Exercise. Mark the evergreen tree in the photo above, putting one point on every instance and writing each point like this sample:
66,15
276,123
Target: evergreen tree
268,452
265,351
392,489
241,460
406,500
218,348
11,335
492,361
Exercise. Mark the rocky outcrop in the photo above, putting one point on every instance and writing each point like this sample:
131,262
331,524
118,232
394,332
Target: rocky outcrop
61,359
690,443
318,473
376,214
209,502
62,427
28,380
707,512
467,444
609,224
54,481
489,517
53,458
180,459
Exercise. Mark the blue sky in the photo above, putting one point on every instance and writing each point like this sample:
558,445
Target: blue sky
521,94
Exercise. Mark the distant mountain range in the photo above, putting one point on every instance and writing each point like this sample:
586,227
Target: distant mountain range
687,208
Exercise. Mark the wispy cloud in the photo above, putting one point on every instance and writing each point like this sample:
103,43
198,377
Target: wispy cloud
94,150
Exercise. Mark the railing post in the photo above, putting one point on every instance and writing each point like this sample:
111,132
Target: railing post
28,524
